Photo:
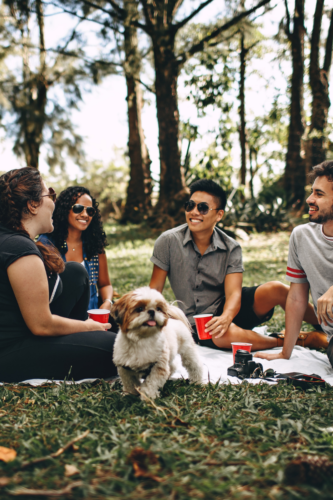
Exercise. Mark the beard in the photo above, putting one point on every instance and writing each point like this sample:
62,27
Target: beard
321,217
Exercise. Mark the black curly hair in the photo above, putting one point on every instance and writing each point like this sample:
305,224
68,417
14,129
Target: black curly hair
94,237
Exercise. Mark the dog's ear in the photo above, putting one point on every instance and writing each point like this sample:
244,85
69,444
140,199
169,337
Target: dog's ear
118,309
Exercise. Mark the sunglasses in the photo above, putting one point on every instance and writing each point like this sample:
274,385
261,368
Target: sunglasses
202,207
51,194
77,209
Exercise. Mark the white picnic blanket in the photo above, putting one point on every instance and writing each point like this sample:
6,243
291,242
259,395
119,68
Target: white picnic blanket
216,364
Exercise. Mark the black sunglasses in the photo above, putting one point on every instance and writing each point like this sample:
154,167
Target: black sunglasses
77,209
202,207
51,194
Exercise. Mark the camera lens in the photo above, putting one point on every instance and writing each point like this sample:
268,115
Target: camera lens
243,356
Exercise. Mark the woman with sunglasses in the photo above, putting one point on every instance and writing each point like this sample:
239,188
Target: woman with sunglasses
44,330
78,235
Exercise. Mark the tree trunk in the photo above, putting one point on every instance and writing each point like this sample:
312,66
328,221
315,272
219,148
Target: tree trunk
242,126
139,188
171,176
319,82
252,153
295,164
35,95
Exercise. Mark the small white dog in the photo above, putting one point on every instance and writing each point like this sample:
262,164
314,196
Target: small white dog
151,334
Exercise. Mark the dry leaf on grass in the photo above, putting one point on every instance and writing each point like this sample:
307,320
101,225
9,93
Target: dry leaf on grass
7,454
145,464
71,470
4,481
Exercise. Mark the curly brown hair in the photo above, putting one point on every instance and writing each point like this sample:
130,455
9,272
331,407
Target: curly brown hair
17,188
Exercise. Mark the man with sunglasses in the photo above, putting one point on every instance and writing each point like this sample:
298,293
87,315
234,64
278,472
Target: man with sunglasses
204,267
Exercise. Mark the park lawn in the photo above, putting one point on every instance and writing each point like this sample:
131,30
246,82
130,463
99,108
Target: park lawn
209,442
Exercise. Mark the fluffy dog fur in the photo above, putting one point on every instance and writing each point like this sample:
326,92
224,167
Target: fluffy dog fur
151,334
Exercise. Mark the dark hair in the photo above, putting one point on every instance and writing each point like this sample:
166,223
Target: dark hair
210,187
94,237
324,169
17,187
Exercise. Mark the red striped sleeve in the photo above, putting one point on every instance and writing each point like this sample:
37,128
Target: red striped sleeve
295,273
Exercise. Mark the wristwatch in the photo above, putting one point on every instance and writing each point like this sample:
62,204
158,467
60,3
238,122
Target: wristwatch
109,300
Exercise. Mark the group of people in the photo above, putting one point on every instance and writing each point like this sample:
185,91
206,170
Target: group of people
53,269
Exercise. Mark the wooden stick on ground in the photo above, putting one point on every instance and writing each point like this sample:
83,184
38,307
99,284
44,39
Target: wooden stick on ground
57,453
45,493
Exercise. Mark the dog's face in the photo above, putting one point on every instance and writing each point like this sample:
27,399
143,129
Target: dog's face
144,311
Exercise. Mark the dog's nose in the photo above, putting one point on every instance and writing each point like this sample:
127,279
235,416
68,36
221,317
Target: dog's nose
151,312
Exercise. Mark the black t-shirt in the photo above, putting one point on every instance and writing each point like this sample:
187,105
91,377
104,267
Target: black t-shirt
13,246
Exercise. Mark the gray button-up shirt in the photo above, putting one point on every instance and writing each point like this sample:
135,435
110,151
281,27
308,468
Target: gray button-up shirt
197,280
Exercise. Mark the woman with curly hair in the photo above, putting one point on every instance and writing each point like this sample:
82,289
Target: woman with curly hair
44,330
78,235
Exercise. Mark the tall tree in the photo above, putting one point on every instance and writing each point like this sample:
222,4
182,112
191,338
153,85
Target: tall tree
294,179
162,28
138,200
25,93
319,82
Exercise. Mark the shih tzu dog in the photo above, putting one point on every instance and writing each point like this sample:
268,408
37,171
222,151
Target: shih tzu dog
152,332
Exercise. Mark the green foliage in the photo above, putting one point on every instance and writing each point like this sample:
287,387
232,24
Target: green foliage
107,183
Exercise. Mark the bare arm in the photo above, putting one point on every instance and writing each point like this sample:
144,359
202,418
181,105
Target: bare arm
296,305
158,278
28,280
104,284
218,325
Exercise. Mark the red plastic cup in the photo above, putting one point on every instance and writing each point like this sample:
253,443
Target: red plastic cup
240,345
200,321
100,315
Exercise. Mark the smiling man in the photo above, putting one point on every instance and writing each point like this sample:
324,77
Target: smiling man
204,267
310,264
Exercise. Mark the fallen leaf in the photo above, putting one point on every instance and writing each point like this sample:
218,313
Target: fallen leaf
4,481
75,447
71,470
145,464
7,454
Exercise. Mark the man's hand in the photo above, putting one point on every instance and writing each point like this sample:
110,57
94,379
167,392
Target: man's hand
324,307
271,355
218,325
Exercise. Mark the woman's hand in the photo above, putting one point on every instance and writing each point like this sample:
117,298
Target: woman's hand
271,355
106,305
218,325
92,325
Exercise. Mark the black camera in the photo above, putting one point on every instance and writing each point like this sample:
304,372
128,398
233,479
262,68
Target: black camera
244,366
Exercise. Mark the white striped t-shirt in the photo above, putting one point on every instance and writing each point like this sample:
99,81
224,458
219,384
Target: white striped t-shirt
310,260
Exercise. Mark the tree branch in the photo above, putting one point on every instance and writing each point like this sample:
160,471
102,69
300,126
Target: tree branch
288,20
106,11
147,13
315,41
145,86
182,23
117,7
329,48
201,45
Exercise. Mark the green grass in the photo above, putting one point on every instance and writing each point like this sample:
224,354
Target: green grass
208,442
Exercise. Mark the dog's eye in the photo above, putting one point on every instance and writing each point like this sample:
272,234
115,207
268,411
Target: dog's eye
158,309
139,309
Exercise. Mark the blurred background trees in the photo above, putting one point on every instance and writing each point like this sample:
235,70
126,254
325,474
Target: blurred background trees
41,82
